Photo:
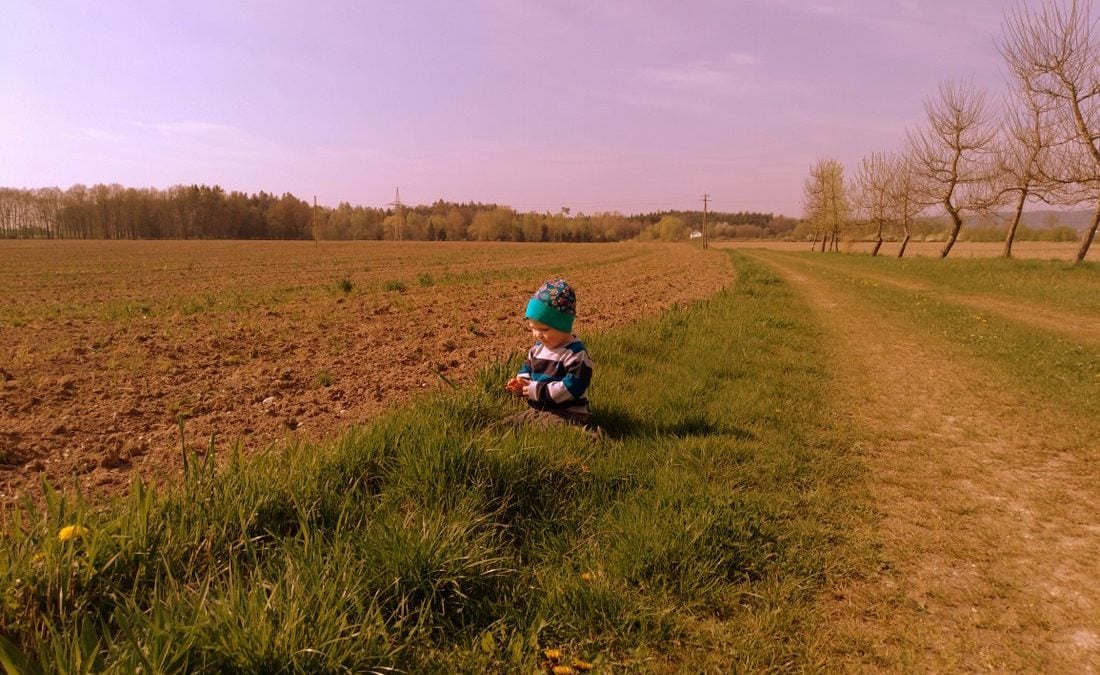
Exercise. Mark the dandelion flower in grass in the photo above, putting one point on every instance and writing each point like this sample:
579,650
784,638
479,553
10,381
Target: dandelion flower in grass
552,654
582,666
70,532
586,576
563,670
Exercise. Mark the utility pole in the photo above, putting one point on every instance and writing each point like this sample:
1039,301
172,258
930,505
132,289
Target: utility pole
314,225
400,213
706,236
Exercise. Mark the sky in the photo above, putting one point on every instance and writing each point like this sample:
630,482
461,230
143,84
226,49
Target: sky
595,105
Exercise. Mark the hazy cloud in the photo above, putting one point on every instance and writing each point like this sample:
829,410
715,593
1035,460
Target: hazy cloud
94,135
215,141
743,59
728,74
189,129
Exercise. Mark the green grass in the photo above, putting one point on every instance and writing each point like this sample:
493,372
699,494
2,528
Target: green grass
395,285
1055,368
435,541
1049,283
1043,363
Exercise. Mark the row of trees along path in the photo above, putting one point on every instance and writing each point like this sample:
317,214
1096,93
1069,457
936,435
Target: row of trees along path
970,158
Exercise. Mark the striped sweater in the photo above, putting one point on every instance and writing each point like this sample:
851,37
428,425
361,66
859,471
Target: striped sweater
560,378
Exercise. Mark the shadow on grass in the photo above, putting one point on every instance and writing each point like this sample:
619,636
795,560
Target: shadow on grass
618,423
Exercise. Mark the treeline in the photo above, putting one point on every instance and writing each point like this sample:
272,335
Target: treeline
728,225
209,212
472,221
180,212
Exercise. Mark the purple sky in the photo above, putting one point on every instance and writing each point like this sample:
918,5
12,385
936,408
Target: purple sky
592,104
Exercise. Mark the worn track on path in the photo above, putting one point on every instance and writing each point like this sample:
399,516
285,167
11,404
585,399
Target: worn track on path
1079,326
985,503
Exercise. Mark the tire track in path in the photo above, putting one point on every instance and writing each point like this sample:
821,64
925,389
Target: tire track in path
985,506
1075,325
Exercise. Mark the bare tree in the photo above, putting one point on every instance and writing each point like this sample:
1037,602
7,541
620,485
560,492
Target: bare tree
953,153
871,196
905,191
825,201
1024,155
1054,52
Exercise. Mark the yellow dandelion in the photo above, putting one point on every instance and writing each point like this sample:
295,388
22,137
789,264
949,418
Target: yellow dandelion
586,576
582,665
563,670
70,532
552,654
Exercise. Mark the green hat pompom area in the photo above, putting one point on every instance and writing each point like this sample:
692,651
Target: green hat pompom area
554,304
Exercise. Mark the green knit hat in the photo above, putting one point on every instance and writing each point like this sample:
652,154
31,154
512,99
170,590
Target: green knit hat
554,304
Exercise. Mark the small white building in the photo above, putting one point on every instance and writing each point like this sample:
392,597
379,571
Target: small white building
696,234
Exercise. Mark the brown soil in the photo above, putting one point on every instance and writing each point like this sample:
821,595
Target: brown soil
105,345
986,503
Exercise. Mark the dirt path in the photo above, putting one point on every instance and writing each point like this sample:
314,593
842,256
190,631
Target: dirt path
1084,328
990,544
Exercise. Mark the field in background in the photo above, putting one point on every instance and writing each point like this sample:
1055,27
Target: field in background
1042,250
105,346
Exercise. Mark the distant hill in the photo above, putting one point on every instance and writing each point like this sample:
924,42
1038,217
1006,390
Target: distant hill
1042,219
1078,220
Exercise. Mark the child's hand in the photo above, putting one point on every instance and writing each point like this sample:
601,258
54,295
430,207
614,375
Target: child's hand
517,386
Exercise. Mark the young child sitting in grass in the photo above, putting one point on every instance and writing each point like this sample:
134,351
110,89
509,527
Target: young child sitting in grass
556,374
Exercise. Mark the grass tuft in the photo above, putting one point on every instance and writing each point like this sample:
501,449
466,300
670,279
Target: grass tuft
395,285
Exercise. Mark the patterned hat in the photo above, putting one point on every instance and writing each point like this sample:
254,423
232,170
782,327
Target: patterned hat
554,304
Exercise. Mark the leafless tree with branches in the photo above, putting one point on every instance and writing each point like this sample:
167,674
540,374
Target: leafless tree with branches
825,201
954,153
1024,156
904,189
1053,53
871,194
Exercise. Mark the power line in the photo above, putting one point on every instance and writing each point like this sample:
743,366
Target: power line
399,210
706,237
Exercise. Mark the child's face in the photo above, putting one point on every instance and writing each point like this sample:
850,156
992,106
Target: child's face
552,338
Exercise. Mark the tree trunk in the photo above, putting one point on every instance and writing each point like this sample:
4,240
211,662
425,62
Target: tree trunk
878,245
1015,223
955,227
904,243
1086,239
813,244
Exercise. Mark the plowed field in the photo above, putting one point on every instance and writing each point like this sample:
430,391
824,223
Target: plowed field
105,346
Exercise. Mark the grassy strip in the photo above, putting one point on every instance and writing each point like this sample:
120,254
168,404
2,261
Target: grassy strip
697,537
1050,283
1060,371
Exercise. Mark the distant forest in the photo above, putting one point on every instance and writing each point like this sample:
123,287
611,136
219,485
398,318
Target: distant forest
209,212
